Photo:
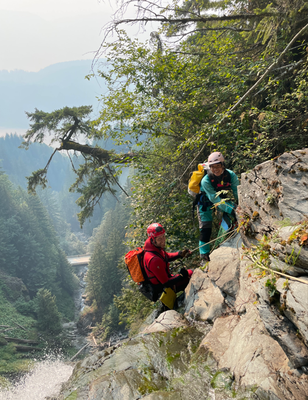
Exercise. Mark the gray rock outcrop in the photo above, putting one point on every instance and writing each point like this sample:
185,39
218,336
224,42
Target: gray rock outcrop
244,330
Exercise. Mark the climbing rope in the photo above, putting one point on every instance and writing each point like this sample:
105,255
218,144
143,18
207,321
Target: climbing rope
259,265
214,240
231,234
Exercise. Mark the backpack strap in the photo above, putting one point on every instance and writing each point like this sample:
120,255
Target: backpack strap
160,256
215,181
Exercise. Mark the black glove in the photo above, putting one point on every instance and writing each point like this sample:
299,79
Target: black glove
184,253
184,272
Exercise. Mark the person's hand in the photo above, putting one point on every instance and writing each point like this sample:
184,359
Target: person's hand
185,253
184,272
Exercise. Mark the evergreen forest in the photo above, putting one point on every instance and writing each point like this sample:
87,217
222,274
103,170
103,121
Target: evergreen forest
228,76
37,233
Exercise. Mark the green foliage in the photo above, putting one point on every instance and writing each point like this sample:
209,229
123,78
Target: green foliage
174,105
109,324
284,222
261,252
292,258
271,285
67,121
29,308
104,279
56,198
96,176
285,285
48,315
271,199
171,107
11,362
10,316
133,306
18,162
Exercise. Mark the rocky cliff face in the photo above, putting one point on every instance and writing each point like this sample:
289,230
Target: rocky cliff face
243,332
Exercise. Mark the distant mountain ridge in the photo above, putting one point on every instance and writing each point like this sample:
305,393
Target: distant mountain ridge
56,86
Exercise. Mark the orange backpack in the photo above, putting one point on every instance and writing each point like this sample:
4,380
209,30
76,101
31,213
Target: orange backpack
134,261
135,265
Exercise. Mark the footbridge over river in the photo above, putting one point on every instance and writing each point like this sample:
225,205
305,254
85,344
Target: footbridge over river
82,259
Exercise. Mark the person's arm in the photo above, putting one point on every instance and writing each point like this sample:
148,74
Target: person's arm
177,278
173,256
180,254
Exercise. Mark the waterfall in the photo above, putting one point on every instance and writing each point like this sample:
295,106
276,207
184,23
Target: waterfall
44,380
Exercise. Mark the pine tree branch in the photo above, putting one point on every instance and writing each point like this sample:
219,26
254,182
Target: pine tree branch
222,28
204,19
102,155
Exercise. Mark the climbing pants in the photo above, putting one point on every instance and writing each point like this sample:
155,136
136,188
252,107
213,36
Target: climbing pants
205,218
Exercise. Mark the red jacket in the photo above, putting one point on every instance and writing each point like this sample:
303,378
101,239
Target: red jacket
157,267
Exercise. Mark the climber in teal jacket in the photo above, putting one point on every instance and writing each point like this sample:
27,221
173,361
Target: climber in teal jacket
217,179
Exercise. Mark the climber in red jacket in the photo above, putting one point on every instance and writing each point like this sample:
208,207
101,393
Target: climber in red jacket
156,262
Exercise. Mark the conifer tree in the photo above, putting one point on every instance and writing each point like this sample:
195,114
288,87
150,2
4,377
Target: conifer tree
98,281
104,278
48,315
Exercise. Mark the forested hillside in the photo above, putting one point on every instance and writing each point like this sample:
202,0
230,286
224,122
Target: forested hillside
104,279
30,251
18,163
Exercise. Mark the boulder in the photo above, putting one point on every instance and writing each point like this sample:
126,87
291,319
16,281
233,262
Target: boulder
223,269
243,345
203,298
273,194
275,190
294,303
282,330
166,321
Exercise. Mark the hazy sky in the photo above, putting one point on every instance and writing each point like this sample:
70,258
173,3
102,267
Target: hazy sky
38,33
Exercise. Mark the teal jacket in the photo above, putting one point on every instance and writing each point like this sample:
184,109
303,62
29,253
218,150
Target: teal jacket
208,188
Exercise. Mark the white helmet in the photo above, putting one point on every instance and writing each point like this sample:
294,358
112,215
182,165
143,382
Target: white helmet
215,158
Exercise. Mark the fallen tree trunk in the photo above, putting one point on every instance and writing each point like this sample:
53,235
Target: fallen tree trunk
20,326
26,348
17,340
73,358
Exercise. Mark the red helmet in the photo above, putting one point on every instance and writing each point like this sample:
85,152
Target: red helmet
215,158
155,230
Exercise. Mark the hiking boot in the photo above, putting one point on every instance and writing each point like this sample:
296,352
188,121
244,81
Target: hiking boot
205,258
